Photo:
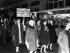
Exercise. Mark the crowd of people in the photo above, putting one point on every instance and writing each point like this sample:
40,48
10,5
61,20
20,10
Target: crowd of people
36,34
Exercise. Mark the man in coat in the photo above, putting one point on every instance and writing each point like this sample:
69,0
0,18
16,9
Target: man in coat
17,32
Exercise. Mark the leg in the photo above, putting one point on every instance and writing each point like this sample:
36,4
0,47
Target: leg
13,40
35,51
51,46
41,48
30,51
45,48
27,44
17,49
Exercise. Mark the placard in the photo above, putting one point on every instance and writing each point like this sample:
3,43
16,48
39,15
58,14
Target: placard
22,12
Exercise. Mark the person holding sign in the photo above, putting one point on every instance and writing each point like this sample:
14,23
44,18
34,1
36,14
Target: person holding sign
17,32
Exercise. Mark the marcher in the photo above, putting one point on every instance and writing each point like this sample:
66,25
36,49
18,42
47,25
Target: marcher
44,36
52,33
38,26
63,40
31,37
17,32
5,32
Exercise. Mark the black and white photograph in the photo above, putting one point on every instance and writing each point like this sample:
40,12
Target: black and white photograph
34,26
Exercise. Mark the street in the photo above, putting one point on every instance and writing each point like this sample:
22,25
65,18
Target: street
9,49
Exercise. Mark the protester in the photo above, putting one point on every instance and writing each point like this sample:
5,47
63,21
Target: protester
52,33
17,32
63,40
44,36
31,37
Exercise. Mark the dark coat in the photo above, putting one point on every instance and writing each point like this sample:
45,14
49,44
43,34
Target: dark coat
15,31
43,35
52,33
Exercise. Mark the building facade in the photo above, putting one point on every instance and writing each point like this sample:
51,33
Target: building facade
57,6
35,5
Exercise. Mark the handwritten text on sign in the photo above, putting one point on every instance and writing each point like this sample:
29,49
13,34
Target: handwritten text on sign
22,12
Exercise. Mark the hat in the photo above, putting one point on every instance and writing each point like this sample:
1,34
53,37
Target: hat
31,23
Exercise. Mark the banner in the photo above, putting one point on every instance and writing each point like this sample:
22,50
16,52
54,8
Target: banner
22,12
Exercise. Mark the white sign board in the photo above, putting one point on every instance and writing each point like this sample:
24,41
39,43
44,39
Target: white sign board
22,12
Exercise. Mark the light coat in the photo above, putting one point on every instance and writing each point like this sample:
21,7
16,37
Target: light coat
63,42
31,39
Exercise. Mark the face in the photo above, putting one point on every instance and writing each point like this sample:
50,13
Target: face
18,21
32,23
33,17
50,21
5,19
67,27
38,22
44,23
1,20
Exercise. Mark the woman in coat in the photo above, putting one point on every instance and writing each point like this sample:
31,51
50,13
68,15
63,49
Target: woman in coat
52,33
63,40
31,37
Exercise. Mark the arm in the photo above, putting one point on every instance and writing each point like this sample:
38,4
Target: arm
13,31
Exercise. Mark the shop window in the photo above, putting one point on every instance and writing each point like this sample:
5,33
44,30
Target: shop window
67,2
50,5
35,3
61,4
55,4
